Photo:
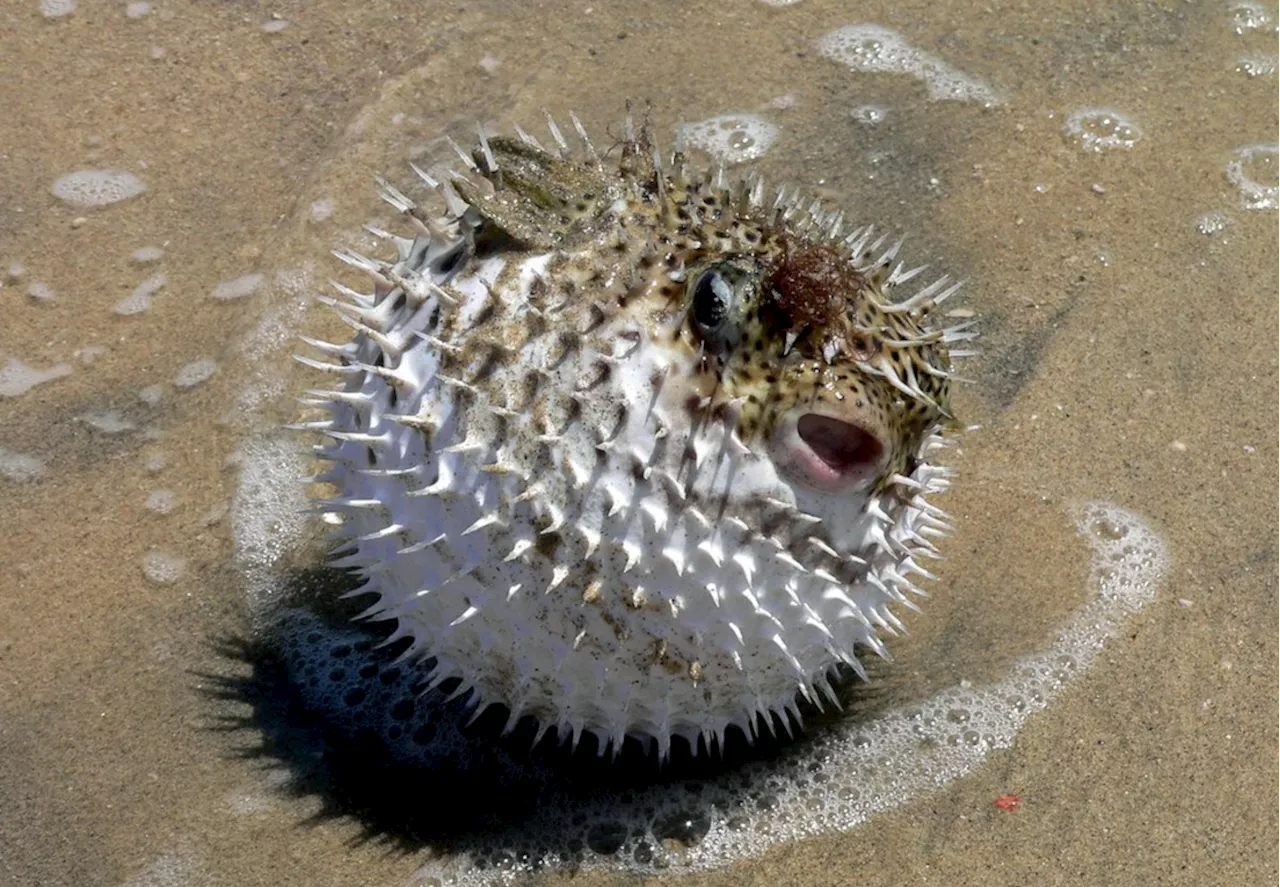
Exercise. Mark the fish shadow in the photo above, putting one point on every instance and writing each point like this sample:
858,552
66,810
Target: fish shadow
327,699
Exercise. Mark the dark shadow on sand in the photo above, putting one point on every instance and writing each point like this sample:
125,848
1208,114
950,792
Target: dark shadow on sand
319,695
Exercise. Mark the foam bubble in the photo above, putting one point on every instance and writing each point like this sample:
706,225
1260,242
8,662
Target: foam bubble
870,115
237,288
137,9
1257,65
39,291
20,467
162,501
145,255
57,8
732,138
97,187
89,354
874,49
1248,15
107,422
17,378
1102,129
151,395
1211,223
322,209
192,374
142,296
1253,171
163,568
277,325
215,514
267,514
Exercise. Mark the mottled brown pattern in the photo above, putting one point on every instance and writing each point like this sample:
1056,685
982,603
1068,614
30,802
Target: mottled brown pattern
813,322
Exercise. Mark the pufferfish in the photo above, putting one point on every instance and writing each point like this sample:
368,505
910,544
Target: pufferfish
631,449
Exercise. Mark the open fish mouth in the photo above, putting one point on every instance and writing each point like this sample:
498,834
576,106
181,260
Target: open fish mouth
830,454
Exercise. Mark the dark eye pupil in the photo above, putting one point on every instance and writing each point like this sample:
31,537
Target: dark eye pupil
711,300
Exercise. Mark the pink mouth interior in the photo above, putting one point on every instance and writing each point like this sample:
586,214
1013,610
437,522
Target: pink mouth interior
846,450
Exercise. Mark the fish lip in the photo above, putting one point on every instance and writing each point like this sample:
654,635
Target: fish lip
830,451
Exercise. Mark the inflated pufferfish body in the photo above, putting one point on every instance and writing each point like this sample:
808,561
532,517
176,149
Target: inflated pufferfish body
632,450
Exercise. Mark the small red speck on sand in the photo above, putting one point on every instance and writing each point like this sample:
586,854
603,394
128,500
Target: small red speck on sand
1008,803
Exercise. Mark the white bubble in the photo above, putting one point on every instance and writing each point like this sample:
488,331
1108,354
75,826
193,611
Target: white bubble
89,354
277,325
1253,171
97,187
108,422
875,49
732,138
275,26
195,372
322,209
39,291
18,378
163,568
145,255
1249,16
1257,65
1212,223
137,9
267,515
155,462
1102,129
162,501
20,467
237,288
490,64
141,298
215,514
870,115
57,8
152,394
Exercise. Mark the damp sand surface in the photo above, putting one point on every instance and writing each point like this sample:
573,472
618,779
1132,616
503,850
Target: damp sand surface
1105,180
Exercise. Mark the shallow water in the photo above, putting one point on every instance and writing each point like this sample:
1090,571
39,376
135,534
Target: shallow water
1123,267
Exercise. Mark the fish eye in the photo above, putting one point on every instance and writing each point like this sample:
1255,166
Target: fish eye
714,296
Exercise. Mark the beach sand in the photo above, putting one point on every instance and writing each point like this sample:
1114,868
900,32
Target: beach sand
1129,357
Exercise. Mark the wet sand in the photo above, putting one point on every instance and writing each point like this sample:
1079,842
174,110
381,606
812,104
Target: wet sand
1128,357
